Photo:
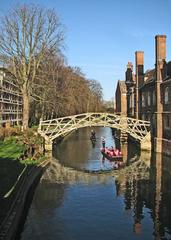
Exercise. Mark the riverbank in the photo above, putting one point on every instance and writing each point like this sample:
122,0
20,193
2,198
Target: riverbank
21,165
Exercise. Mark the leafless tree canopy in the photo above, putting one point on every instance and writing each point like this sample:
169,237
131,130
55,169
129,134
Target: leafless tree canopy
31,39
25,35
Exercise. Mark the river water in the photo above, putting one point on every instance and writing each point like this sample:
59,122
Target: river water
71,204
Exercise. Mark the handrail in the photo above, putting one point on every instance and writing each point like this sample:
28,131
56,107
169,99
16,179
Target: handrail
55,128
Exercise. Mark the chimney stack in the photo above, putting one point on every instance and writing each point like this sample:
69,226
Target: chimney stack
139,63
160,52
129,65
160,44
128,74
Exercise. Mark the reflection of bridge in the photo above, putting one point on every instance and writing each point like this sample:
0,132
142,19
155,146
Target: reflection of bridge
54,128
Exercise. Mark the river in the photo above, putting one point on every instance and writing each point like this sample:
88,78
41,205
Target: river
131,203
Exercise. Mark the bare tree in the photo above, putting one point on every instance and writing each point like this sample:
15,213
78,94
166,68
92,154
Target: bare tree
26,34
95,96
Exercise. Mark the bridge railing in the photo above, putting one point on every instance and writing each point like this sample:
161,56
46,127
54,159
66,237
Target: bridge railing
54,128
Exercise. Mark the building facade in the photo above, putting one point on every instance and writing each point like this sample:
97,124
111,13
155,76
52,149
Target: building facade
11,103
121,98
149,96
121,106
166,113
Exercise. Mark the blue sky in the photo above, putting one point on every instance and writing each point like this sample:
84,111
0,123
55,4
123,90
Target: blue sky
103,35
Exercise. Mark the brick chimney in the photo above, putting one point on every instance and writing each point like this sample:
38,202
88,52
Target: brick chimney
139,63
160,63
160,55
128,73
160,44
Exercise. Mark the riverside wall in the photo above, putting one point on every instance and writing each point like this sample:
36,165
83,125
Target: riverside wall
10,225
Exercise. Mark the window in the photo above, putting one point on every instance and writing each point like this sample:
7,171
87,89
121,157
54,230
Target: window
166,95
143,116
149,99
143,100
149,117
130,102
154,98
166,122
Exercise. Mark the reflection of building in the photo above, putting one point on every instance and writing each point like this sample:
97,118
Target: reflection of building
10,99
135,192
124,150
152,192
160,199
149,95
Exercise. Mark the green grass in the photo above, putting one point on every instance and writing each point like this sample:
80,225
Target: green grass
10,149
34,127
30,161
12,169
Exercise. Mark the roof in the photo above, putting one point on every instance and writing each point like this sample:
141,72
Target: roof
169,69
149,75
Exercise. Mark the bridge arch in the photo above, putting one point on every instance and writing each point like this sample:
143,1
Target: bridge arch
54,128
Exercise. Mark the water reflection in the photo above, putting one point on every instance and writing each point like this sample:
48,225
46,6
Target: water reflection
133,203
79,152
153,193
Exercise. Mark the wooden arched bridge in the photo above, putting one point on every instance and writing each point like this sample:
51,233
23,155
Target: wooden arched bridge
54,128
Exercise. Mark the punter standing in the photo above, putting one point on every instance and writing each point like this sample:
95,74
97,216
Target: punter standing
103,142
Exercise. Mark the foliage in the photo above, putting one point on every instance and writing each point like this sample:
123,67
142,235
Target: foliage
26,146
31,161
9,131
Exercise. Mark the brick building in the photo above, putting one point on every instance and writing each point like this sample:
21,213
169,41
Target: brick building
130,87
149,96
121,106
10,99
166,113
121,98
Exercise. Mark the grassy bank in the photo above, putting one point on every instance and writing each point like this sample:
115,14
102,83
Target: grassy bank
18,154
10,149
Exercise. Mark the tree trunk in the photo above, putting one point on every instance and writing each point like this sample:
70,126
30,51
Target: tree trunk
25,109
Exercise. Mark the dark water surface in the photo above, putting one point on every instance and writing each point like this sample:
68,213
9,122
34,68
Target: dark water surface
134,203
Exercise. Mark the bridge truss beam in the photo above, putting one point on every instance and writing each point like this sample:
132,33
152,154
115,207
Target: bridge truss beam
54,128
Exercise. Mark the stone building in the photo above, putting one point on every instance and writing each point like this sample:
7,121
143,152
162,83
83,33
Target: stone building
10,100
